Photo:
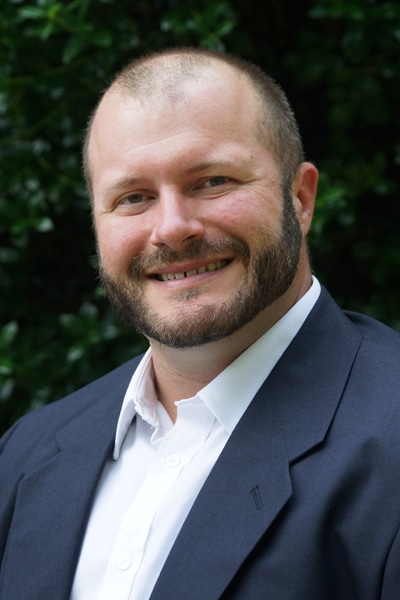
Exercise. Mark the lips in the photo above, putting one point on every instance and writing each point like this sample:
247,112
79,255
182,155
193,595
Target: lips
215,266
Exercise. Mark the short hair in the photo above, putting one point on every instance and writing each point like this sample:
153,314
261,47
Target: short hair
161,72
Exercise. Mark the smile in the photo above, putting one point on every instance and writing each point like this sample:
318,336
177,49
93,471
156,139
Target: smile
215,266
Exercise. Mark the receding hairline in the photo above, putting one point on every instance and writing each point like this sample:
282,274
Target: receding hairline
176,65
165,78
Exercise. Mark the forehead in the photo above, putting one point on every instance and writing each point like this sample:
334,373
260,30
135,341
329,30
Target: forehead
218,108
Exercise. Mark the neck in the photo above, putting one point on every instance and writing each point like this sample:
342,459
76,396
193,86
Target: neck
181,374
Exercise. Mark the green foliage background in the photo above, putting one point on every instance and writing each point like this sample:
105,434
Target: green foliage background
338,60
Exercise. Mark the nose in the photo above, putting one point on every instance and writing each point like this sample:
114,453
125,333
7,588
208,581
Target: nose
176,221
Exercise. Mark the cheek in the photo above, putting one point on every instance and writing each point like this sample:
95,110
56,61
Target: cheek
252,213
118,242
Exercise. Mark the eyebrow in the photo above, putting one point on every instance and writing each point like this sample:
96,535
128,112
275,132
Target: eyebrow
212,164
124,182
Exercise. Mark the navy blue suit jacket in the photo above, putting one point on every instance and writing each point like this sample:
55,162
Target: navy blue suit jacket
303,503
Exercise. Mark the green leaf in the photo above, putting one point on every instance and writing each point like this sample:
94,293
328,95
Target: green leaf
8,334
32,12
74,48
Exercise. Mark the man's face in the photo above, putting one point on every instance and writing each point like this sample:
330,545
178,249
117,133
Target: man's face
196,238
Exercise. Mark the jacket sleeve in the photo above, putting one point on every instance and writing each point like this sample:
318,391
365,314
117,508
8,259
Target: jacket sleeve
8,486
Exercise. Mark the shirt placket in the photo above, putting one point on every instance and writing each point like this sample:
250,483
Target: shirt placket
176,450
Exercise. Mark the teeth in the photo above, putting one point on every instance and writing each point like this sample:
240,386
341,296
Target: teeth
211,267
214,266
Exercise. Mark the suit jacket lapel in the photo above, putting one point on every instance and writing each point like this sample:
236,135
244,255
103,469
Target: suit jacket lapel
250,483
308,382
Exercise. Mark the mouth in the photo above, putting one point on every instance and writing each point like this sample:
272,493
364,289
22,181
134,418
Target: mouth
214,266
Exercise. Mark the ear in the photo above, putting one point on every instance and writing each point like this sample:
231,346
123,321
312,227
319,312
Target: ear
304,190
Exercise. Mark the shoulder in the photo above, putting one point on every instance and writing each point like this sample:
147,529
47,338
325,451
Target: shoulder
375,376
348,323
371,328
100,397
340,341
379,342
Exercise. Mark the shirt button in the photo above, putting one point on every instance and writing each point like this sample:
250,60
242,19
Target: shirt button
123,563
173,460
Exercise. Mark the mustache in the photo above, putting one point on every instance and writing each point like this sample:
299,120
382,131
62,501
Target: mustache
198,249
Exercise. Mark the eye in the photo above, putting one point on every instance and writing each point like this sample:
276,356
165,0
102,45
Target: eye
215,181
133,198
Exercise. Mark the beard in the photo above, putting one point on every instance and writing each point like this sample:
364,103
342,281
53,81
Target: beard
269,270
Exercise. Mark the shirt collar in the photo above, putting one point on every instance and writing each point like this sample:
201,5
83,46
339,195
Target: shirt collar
141,398
230,393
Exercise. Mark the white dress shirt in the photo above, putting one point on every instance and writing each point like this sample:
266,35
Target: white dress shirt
158,467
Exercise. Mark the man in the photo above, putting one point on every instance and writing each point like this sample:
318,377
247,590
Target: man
254,451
